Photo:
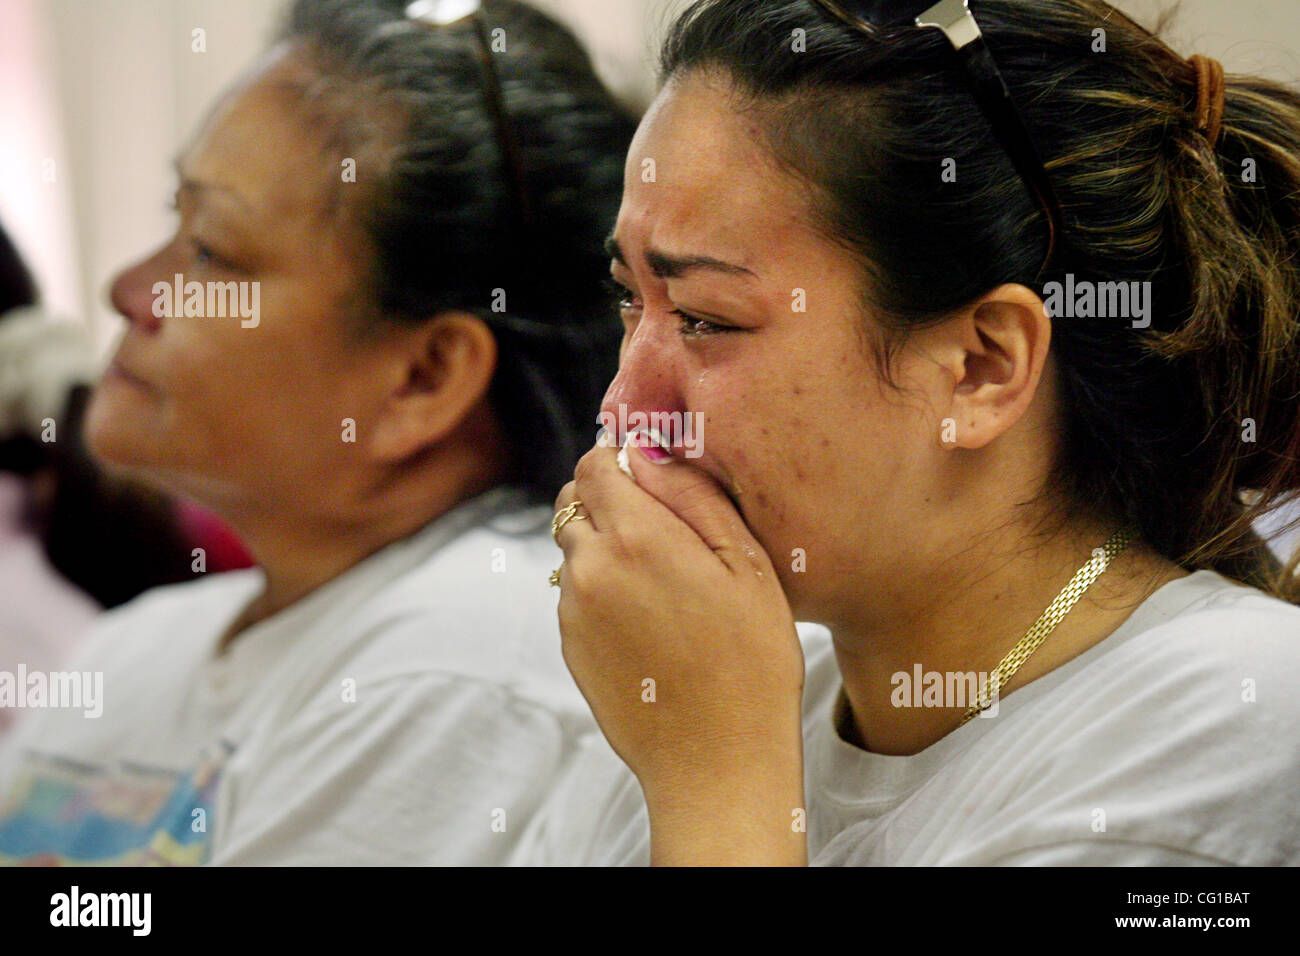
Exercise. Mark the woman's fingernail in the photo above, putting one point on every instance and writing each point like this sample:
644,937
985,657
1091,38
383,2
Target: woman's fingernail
650,446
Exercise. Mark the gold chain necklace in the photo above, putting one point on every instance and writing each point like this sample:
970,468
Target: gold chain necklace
1082,580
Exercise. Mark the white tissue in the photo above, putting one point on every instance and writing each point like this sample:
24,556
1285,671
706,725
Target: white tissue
624,465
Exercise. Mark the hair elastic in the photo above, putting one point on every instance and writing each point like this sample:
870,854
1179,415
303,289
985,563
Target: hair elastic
1210,88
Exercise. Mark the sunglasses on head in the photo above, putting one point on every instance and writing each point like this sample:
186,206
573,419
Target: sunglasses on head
888,18
445,13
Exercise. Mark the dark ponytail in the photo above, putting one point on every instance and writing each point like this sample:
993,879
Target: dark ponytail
1189,427
1236,217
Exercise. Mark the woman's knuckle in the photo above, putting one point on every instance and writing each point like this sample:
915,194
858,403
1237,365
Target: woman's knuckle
565,496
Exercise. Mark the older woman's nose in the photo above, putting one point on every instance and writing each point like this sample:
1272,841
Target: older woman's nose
132,294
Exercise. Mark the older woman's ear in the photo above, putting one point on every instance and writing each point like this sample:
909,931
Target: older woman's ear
442,376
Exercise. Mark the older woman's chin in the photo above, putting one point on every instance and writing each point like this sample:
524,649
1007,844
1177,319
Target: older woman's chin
118,434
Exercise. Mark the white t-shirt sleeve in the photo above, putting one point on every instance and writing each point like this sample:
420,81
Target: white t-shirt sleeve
375,781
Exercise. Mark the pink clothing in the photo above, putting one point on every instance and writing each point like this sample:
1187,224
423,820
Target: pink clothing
202,528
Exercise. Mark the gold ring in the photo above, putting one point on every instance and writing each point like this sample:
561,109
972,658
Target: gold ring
555,575
566,514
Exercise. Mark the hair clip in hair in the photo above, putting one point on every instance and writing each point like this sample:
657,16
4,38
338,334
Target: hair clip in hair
442,12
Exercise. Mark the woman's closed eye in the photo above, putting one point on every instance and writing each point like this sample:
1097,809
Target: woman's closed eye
203,254
629,305
693,326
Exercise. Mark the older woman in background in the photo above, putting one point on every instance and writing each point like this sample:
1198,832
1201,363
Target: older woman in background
413,209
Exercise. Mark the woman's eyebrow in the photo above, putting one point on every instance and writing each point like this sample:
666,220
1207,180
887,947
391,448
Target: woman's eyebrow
189,184
666,266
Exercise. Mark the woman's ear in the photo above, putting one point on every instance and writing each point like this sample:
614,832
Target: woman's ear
446,370
995,351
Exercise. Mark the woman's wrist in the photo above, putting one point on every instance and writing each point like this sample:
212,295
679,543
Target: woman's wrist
747,812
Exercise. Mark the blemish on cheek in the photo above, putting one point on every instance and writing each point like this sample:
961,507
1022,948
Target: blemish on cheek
798,390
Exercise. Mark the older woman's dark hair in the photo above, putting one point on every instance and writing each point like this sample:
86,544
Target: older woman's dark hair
1189,428
415,106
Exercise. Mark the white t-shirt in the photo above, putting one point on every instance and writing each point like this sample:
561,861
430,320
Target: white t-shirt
1174,741
413,710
